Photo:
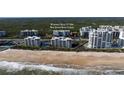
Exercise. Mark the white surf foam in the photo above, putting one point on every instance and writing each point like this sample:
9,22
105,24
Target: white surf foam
18,66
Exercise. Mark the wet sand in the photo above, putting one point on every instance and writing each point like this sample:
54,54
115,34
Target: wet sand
60,58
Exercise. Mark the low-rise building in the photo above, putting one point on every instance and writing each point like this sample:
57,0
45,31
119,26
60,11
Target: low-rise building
32,41
61,42
27,32
64,33
2,33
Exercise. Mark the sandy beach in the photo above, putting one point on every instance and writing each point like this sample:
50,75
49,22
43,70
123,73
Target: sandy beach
59,58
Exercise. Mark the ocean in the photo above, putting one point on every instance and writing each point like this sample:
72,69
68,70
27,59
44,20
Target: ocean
26,68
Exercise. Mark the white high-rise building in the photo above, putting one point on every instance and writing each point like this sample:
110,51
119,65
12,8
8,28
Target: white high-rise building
61,42
32,41
115,29
84,31
107,36
100,39
121,39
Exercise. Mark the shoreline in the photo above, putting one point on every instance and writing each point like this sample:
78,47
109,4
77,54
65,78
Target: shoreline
66,59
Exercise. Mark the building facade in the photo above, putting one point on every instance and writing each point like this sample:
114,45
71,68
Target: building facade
33,41
100,39
121,39
84,32
61,42
106,36
115,29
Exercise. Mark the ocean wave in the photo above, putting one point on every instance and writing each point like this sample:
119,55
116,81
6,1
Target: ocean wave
22,68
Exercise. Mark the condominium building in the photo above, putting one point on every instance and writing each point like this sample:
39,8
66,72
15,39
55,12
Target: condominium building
84,31
121,39
115,29
100,39
106,36
32,41
27,32
61,42
63,33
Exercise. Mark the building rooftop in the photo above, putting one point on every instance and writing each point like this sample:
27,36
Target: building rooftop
61,30
62,38
29,30
32,37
